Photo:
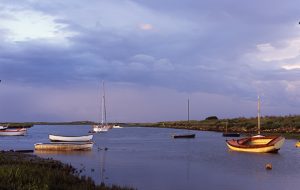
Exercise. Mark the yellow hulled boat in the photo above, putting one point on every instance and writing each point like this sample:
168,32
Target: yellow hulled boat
268,144
298,144
258,143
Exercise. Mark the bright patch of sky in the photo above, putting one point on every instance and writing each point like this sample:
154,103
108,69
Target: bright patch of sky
26,25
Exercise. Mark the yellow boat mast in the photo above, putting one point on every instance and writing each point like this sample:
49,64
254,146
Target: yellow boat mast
258,115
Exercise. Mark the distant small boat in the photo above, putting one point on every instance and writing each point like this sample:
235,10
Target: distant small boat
101,128
226,134
184,136
13,132
59,138
231,134
297,144
189,135
2,127
116,127
63,146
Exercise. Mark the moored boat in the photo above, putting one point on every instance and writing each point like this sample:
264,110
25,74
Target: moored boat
298,144
103,126
13,132
116,127
63,146
231,134
59,138
269,144
257,143
184,136
227,134
187,135
2,127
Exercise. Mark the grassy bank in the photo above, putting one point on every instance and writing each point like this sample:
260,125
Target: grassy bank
288,126
17,125
22,171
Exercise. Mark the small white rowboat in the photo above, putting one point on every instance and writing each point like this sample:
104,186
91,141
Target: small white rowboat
63,146
59,138
13,132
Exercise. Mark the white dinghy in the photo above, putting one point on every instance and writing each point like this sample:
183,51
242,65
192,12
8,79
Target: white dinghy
60,138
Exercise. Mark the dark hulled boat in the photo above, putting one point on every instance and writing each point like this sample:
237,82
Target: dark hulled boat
226,134
184,136
231,134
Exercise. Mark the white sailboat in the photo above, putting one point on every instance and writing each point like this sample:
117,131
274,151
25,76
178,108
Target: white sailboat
103,126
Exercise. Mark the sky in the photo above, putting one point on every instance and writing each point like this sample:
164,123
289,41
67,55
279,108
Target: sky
153,56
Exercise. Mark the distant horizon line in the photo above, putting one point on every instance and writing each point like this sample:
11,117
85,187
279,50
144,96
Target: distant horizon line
92,122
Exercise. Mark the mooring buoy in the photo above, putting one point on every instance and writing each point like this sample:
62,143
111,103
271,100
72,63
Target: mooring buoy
268,166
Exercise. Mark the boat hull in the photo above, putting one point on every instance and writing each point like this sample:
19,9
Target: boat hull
231,135
184,136
256,144
297,144
58,138
63,146
13,132
2,127
101,128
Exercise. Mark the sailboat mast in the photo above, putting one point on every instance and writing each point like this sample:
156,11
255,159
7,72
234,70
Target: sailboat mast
103,121
188,111
258,115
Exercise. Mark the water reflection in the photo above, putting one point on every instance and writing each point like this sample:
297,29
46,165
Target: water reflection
102,170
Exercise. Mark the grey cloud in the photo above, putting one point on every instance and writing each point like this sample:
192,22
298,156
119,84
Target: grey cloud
201,54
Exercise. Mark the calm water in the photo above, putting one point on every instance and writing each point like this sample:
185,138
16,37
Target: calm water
148,158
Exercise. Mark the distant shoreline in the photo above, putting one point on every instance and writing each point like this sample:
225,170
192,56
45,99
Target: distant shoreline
288,126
